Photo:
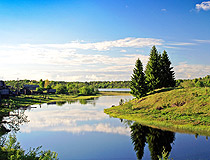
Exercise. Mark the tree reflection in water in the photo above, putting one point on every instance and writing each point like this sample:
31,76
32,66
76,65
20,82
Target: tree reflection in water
81,101
158,140
11,121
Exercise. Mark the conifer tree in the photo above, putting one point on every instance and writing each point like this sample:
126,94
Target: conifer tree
153,70
138,85
167,74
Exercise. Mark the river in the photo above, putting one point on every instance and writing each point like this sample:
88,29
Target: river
80,130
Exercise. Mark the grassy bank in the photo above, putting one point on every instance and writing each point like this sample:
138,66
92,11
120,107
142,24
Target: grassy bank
26,100
183,110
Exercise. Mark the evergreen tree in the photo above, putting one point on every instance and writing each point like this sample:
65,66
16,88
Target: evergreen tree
138,85
153,70
41,83
167,74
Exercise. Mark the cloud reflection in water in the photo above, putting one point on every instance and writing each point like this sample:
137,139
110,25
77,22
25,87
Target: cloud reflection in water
76,119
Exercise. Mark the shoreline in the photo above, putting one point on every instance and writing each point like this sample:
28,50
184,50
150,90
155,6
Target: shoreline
176,110
27,100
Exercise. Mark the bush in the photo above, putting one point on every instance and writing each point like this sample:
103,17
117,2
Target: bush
88,90
187,84
39,89
199,84
12,150
61,89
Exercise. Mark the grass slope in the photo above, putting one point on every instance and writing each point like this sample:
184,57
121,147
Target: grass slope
183,110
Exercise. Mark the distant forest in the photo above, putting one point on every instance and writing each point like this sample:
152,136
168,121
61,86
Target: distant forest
197,82
52,84
202,82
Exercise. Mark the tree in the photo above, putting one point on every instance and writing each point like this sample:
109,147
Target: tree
153,70
48,86
61,89
41,83
138,86
167,74
46,83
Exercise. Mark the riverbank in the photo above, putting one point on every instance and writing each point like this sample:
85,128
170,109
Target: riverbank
27,100
183,110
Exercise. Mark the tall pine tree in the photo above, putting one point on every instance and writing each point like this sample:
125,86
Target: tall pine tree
153,70
138,86
167,74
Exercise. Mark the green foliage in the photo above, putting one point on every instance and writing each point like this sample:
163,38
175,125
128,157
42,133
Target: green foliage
197,82
178,82
167,74
158,72
72,87
41,83
187,84
12,150
61,89
153,69
138,86
165,155
88,90
181,108
159,141
121,102
39,89
48,86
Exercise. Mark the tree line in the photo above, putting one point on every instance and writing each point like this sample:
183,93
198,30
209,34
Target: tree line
158,74
51,84
197,82
62,87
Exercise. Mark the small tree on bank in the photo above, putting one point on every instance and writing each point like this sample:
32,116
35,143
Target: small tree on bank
138,86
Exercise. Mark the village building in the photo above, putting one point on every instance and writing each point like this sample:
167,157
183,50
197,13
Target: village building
52,91
31,87
4,90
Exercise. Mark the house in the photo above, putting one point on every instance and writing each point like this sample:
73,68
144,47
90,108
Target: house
4,90
25,91
2,84
52,91
31,87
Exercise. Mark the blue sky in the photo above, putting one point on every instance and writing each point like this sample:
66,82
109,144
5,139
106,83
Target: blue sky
86,40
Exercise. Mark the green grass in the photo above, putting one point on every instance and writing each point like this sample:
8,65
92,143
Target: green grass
26,100
183,110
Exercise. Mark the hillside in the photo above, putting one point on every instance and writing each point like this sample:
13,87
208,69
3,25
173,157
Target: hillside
183,109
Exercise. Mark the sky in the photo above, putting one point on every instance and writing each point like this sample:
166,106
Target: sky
98,40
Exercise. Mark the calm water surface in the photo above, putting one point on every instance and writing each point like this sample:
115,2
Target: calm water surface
114,89
80,130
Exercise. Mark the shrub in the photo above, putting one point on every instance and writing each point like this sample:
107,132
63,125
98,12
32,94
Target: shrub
11,150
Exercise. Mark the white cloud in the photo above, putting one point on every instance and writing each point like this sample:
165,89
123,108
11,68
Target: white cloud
163,10
202,41
190,71
123,51
57,63
69,63
105,45
181,44
203,6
